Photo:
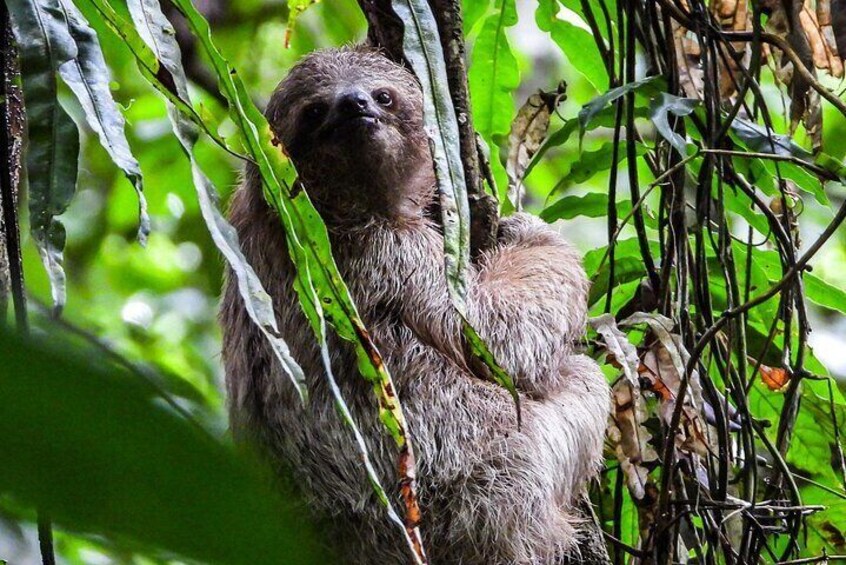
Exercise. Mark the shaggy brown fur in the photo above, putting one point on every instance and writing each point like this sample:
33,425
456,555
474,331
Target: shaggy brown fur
490,493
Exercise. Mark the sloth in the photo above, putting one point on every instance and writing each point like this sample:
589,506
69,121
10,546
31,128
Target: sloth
490,491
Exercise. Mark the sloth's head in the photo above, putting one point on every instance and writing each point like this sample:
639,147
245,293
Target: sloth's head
352,122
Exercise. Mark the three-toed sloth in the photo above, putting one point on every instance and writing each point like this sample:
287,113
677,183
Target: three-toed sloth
490,493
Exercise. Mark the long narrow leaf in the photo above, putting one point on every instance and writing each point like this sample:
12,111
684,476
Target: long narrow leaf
158,75
157,32
493,73
659,110
88,77
493,77
53,140
422,48
318,282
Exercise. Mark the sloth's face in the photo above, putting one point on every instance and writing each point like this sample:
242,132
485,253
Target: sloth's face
352,116
347,112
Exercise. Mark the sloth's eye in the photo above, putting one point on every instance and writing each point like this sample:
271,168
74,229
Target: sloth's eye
384,98
315,111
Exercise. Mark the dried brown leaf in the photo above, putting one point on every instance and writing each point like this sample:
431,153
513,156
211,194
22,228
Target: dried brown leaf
838,25
826,27
733,16
691,77
630,438
819,50
528,130
664,364
618,346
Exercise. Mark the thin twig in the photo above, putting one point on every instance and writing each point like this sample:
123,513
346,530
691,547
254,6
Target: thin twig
819,171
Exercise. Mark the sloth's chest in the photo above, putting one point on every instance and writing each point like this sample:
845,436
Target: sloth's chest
386,266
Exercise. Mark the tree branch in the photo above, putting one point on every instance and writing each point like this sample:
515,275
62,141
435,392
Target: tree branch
11,143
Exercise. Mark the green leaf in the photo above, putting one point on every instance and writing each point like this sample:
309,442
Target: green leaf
590,163
805,181
824,294
295,9
604,118
666,104
764,173
595,106
423,51
826,529
736,201
628,266
493,77
610,5
809,448
53,140
158,33
816,289
150,64
318,282
831,164
575,39
558,138
88,77
626,269
472,12
758,139
493,74
105,455
591,205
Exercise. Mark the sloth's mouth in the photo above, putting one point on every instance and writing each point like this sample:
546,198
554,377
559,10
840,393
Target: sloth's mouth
363,122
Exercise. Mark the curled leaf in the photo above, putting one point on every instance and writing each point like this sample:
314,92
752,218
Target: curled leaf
528,132
626,431
630,438
618,345
592,108
659,110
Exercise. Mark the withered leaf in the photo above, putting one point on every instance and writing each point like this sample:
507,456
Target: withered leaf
528,130
826,25
630,438
691,77
620,349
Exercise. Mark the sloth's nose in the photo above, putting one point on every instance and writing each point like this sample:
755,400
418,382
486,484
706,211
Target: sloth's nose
353,102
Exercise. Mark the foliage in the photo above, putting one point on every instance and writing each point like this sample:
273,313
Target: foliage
725,442
157,487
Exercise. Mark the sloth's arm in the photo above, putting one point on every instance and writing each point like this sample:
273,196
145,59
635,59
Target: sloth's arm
527,298
528,301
